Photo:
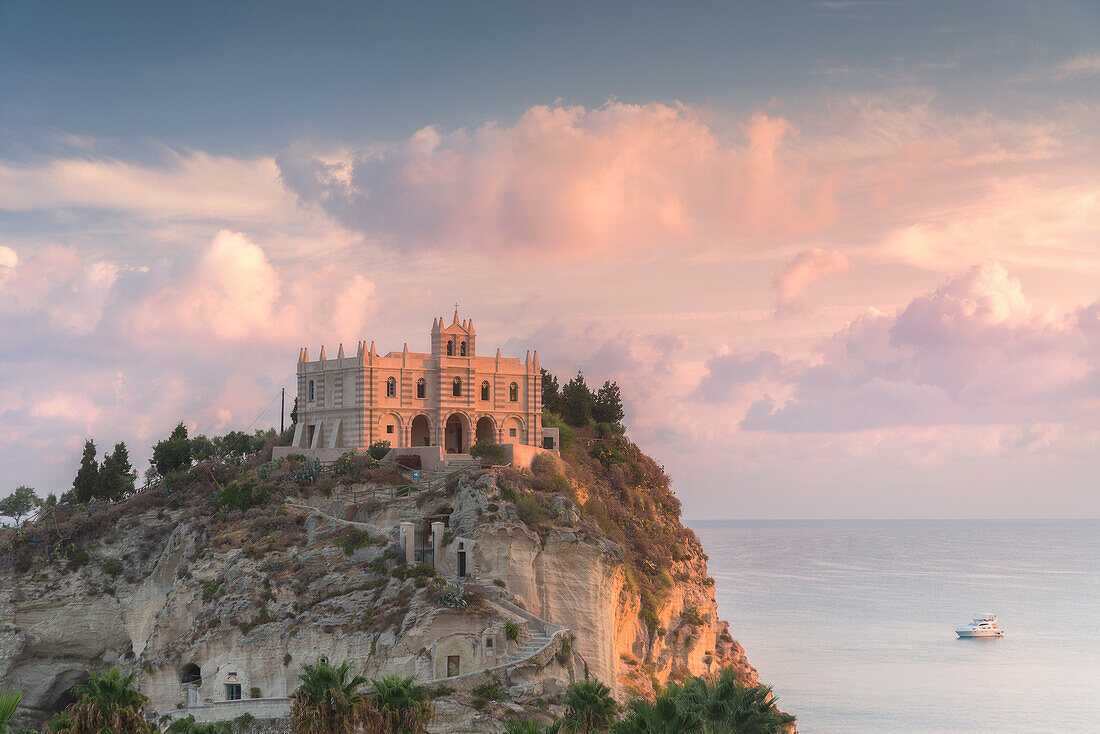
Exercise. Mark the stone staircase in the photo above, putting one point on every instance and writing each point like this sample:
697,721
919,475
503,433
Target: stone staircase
530,646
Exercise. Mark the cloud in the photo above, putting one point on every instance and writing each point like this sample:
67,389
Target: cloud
102,348
972,352
192,185
807,267
570,181
1080,65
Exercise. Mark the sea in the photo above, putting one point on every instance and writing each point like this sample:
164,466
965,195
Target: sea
853,622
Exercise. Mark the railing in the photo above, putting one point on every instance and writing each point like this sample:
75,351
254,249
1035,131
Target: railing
429,482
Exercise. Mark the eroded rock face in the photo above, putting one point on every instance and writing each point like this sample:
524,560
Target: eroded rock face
236,608
575,578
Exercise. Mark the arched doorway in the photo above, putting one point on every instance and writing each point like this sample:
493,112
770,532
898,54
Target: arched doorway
455,436
420,431
190,680
486,431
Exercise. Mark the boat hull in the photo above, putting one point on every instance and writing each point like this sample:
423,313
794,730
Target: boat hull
979,633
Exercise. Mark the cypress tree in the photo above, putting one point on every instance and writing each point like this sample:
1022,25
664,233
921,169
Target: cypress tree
576,402
609,405
87,477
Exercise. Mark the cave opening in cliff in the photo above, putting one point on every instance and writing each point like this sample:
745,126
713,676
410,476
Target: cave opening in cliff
190,674
60,694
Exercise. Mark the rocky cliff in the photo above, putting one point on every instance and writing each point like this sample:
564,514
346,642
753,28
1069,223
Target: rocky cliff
234,575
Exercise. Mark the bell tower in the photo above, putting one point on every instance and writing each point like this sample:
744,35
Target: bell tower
456,340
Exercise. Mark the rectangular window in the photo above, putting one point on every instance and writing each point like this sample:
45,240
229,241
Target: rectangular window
511,432
389,428
232,691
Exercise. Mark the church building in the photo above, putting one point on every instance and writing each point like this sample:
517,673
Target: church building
449,397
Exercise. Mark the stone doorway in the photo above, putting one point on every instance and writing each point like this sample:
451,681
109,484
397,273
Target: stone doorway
420,431
485,432
455,435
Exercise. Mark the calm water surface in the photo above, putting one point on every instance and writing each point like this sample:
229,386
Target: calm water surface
853,621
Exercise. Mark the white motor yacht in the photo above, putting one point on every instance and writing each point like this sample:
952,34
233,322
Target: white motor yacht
984,625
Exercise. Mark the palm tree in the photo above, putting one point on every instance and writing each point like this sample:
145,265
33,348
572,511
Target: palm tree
404,706
589,706
732,705
328,702
9,702
106,703
530,726
662,716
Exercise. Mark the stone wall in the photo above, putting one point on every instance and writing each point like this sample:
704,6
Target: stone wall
261,708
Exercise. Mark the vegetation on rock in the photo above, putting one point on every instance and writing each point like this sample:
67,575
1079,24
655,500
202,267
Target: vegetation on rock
108,702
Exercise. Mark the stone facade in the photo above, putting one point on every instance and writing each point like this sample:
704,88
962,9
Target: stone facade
448,397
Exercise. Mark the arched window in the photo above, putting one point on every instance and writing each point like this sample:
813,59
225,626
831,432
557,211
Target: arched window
311,390
391,387
462,349
420,388
450,347
513,392
456,388
485,390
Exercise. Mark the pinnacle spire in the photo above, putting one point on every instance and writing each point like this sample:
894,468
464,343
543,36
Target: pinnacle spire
340,354
322,352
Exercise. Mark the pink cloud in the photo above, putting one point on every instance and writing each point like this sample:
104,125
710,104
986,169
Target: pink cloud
123,353
572,181
971,352
807,267
229,291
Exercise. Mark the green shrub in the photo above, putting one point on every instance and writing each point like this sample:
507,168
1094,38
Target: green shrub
243,495
491,690
530,511
489,453
112,566
692,616
547,465
500,583
511,631
652,622
440,691
77,558
378,450
352,540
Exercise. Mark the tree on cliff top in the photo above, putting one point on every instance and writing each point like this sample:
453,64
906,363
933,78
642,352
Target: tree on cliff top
87,477
19,504
577,402
116,475
173,452
551,397
608,406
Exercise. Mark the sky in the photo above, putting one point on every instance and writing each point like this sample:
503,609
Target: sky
842,257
